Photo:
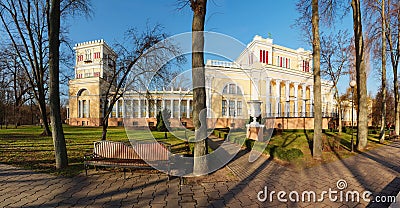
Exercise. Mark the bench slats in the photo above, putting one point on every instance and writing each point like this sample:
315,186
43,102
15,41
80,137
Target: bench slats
140,154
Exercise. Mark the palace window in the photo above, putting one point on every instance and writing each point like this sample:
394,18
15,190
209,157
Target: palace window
306,66
176,108
232,89
239,108
183,108
264,56
83,104
232,108
135,108
143,106
97,55
85,112
224,107
80,58
232,101
88,55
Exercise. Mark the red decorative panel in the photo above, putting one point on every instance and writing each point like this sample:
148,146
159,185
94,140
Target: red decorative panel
263,56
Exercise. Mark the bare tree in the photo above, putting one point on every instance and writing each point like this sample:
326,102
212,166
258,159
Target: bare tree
377,105
199,8
138,68
335,52
19,86
53,20
393,39
4,90
377,23
25,23
383,52
361,77
317,140
311,11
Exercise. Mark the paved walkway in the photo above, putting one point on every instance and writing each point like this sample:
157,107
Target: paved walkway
377,171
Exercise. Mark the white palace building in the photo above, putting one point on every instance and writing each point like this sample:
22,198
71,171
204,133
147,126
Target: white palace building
280,77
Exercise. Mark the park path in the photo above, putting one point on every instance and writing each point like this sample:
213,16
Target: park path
377,171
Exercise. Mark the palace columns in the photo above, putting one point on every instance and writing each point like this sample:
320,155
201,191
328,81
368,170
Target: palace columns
147,107
209,95
296,108
287,95
172,107
140,108
123,108
188,108
179,107
303,109
155,108
312,101
116,108
267,96
277,96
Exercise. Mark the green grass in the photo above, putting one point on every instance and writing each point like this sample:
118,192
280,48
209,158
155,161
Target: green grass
295,147
25,147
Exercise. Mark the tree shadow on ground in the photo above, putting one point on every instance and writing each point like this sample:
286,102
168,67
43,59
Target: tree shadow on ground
309,142
388,194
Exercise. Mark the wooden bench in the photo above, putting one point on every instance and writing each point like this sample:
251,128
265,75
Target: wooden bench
138,155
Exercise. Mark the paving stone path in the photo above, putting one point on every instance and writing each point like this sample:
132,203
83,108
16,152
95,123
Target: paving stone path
377,171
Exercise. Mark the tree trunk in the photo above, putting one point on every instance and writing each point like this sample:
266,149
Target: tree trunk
361,76
317,140
104,121
383,118
395,80
396,102
104,132
394,58
55,113
199,92
43,113
340,117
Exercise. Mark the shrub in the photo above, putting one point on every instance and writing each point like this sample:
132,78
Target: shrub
163,120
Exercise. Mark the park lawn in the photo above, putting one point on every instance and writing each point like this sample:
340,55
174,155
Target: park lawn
302,140
26,148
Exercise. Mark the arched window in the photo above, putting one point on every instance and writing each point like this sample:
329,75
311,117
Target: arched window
83,103
232,104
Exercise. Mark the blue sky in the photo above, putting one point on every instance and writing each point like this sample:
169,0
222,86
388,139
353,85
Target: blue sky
111,18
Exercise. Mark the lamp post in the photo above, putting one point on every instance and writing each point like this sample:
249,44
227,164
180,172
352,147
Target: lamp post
352,85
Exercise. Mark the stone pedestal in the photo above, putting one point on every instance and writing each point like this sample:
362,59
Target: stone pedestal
255,129
254,110
255,132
